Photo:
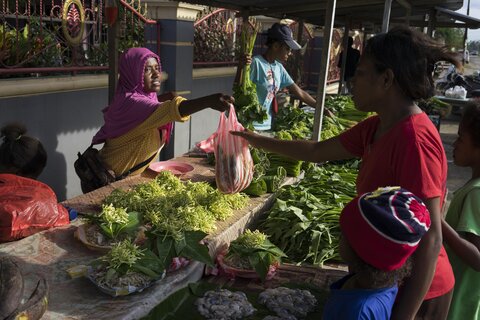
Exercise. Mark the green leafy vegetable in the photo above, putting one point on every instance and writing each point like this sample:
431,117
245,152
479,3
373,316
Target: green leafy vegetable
256,188
253,250
304,219
188,245
115,222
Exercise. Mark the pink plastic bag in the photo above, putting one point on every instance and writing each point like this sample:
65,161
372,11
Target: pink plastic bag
207,145
233,161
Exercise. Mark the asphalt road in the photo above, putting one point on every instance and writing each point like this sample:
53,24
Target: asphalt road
473,65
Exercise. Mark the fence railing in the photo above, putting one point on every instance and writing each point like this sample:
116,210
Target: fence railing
216,44
215,38
62,36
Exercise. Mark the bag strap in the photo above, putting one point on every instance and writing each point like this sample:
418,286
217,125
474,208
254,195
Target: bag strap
135,168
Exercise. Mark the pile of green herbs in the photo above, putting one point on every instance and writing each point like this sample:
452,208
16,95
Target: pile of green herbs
292,167
304,221
295,122
115,223
344,108
174,206
266,178
435,106
126,264
253,250
177,216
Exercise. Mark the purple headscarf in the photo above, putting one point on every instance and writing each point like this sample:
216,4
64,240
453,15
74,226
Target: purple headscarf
131,105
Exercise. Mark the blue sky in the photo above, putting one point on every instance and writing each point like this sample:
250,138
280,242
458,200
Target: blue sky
473,34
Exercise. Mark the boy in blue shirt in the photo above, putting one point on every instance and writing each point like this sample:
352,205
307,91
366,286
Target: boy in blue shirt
380,230
269,75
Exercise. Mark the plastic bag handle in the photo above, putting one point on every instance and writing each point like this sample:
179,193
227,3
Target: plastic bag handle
232,115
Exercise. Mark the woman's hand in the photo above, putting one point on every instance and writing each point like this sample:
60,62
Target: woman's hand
218,101
246,134
254,139
221,102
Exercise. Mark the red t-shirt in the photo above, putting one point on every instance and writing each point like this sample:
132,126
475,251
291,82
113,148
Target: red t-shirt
409,155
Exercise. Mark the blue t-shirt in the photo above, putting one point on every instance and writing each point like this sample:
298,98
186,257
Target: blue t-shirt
359,304
269,78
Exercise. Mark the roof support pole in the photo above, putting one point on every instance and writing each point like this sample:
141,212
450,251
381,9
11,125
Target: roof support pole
112,34
322,79
386,15
432,21
301,25
298,53
408,10
408,15
346,31
465,36
364,39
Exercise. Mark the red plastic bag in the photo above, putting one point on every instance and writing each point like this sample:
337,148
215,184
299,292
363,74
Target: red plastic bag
26,207
233,161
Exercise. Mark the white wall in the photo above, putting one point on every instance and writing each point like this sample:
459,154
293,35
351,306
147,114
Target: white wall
66,121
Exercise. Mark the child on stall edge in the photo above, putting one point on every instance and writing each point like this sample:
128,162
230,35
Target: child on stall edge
380,230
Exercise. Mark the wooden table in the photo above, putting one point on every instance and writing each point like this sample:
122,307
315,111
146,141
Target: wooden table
52,252
457,104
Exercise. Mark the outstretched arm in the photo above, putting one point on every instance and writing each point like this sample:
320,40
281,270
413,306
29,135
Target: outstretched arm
306,150
468,248
302,95
306,98
218,101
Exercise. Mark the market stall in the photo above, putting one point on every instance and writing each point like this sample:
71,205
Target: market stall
52,253
376,14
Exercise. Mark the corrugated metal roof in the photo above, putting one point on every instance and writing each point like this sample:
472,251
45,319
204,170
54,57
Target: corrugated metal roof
313,11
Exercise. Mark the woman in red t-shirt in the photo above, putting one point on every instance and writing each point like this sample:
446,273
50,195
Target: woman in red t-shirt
399,147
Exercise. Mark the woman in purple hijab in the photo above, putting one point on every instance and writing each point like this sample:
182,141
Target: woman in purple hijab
137,125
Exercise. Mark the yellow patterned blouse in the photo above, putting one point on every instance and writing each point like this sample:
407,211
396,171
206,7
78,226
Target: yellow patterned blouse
123,153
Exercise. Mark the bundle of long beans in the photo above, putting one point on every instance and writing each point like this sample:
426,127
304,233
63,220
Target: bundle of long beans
304,220
245,92
247,42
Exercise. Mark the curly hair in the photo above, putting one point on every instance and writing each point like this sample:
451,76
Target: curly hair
411,55
21,153
471,122
380,278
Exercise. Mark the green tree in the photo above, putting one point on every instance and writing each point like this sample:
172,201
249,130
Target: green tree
453,37
473,45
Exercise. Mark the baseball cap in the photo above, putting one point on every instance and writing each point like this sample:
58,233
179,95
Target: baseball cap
384,227
282,32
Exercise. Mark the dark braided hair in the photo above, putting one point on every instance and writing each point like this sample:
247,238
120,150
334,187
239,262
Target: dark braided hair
411,55
19,153
471,122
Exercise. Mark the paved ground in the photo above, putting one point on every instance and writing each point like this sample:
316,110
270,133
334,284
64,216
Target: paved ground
474,65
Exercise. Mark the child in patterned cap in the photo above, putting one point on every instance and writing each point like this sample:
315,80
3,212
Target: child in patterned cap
380,230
